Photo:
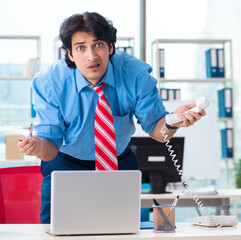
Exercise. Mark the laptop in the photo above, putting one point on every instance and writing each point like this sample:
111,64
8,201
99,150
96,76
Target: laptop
95,202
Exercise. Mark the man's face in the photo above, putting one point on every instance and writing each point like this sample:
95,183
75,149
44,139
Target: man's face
90,55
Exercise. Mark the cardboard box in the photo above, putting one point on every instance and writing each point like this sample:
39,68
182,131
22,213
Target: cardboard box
12,150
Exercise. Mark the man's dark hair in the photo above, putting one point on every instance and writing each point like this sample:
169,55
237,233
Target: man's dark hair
92,23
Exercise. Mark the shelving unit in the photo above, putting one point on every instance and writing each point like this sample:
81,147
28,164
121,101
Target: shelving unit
126,42
37,39
37,54
32,47
227,81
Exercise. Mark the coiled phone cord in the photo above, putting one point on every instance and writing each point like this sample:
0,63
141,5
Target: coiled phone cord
180,172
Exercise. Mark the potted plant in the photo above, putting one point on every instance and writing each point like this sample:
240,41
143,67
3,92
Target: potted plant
238,174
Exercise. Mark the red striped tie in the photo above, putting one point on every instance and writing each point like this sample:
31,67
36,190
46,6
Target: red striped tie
105,144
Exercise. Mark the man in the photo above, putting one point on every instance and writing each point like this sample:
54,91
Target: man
66,99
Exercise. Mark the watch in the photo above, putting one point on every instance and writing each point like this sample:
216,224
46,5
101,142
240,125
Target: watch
170,128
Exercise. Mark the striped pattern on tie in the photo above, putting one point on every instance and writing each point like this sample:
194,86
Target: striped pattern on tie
105,143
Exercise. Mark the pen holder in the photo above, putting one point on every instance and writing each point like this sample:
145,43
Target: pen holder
163,218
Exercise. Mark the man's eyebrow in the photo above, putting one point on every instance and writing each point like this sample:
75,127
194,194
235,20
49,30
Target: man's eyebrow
77,43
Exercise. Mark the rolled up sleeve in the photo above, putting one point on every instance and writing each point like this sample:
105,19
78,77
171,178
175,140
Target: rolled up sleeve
149,107
49,123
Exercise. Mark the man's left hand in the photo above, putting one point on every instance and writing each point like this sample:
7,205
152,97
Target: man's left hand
188,118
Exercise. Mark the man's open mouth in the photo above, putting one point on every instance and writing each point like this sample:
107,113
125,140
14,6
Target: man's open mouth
94,66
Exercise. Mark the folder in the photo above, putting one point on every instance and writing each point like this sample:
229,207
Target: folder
225,103
177,94
33,67
220,62
160,62
61,52
171,94
211,63
164,94
227,142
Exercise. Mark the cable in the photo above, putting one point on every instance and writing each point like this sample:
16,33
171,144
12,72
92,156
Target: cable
180,172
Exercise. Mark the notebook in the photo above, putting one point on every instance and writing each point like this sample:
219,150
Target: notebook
95,202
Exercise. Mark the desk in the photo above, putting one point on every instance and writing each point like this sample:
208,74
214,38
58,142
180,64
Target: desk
184,231
221,200
18,163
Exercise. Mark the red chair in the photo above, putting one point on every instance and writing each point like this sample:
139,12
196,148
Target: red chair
20,194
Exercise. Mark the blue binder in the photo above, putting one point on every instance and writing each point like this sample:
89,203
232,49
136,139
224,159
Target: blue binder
61,53
225,103
146,225
227,142
160,58
211,63
220,62
33,112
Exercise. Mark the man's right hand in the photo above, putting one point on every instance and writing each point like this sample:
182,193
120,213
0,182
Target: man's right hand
39,147
29,146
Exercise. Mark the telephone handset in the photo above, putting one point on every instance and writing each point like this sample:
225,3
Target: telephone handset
201,103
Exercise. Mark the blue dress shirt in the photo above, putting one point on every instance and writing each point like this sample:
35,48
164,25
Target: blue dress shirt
65,105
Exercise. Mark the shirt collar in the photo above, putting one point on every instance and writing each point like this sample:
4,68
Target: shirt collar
108,78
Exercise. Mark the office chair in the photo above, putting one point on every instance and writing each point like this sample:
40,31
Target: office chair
20,194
